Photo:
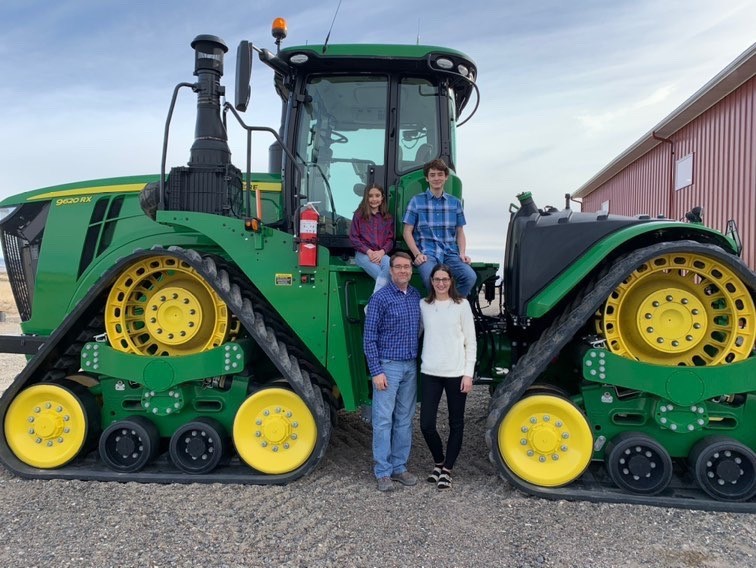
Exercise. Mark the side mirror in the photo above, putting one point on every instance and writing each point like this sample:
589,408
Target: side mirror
359,189
243,91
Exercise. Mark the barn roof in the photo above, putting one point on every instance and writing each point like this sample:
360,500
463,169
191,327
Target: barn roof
724,83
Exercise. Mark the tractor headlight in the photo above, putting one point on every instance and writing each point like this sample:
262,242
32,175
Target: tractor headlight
298,58
445,63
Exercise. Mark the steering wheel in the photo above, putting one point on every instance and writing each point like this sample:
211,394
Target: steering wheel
338,138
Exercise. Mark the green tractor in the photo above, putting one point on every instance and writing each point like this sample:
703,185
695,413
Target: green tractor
183,327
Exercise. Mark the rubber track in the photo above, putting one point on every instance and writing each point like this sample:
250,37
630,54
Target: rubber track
60,357
594,485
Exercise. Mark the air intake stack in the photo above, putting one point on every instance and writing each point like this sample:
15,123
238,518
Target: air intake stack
210,183
210,139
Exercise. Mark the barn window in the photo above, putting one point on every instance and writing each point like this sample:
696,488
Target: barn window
684,172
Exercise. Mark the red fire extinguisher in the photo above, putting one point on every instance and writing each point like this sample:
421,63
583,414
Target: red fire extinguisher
308,236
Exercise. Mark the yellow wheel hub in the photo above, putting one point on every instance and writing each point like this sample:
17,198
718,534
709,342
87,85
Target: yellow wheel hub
162,306
671,321
46,426
174,315
274,431
680,309
545,440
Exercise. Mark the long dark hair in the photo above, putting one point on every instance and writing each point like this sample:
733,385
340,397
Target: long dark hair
364,207
453,294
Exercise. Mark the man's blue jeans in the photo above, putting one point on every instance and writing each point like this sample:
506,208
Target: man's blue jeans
393,411
379,272
464,275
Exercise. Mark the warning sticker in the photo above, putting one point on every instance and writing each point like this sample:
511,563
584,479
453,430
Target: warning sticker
284,279
306,226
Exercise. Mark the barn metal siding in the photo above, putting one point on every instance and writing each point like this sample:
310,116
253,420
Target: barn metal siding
642,187
723,142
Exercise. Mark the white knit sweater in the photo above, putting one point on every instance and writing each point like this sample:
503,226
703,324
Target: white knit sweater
449,345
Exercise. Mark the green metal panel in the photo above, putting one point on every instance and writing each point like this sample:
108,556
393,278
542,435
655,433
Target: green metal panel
162,373
271,196
122,399
119,185
545,300
678,405
81,188
680,385
494,355
610,415
377,51
350,289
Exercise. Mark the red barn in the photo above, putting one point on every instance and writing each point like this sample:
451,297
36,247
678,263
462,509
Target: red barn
704,153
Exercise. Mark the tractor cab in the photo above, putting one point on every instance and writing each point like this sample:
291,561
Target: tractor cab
357,115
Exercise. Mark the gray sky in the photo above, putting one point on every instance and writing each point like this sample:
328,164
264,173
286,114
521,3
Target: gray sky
566,86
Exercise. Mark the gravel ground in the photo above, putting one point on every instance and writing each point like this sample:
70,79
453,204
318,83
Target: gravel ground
335,517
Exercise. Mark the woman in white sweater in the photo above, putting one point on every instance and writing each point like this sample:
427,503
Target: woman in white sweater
448,363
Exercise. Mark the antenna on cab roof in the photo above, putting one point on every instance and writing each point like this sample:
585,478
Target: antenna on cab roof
325,43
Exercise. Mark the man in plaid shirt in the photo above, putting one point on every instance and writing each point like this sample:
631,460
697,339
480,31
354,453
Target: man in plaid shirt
434,230
392,326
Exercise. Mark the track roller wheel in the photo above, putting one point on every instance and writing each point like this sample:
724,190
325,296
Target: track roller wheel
274,431
638,464
199,446
162,306
49,424
724,468
545,440
680,309
129,445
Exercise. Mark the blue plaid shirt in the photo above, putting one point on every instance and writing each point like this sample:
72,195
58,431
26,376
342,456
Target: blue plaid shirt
435,220
392,326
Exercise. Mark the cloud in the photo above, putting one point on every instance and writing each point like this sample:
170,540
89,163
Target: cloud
597,123
565,87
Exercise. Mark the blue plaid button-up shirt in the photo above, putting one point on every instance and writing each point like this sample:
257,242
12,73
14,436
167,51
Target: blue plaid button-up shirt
392,326
435,221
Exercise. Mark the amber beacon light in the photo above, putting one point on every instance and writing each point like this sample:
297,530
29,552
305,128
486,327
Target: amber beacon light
279,29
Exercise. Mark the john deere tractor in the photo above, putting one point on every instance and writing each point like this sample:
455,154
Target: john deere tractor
205,324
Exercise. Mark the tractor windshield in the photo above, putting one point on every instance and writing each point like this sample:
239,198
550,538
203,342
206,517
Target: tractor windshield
341,142
418,142
343,134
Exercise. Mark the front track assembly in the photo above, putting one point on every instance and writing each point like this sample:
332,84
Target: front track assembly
59,358
693,487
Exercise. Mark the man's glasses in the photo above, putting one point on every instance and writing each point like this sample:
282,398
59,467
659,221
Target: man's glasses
441,280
